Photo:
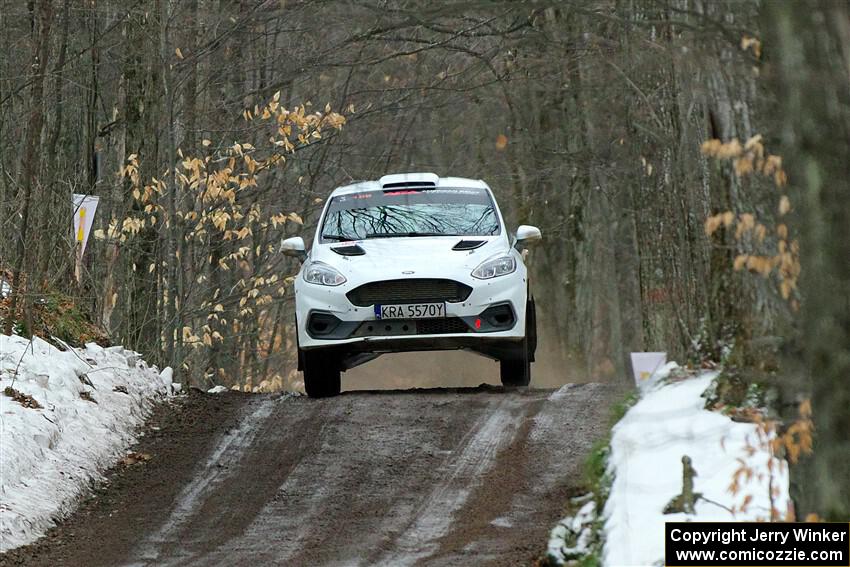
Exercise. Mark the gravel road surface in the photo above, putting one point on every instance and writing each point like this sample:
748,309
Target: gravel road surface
470,476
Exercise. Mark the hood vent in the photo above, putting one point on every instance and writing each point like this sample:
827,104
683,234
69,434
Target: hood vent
349,250
469,244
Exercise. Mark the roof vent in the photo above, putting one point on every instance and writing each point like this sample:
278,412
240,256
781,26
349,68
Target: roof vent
410,185
422,180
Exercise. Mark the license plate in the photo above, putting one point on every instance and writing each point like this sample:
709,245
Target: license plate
411,311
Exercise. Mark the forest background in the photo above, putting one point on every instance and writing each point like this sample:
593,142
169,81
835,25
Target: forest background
687,162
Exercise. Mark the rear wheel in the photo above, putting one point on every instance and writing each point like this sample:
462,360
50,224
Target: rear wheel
321,373
516,369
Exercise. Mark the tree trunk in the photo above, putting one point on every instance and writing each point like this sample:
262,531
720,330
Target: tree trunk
812,41
31,156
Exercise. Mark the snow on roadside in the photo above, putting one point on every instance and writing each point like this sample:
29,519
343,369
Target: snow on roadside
49,456
571,537
647,446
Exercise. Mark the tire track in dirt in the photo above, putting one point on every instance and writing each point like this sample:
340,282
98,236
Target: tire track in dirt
231,448
360,490
530,482
475,455
236,493
283,525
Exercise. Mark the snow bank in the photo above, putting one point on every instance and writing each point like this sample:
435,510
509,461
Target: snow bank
571,538
646,460
49,456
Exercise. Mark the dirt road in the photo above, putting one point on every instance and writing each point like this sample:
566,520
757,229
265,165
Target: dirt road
429,477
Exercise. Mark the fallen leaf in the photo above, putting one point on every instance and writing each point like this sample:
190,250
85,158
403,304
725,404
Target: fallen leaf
134,457
24,399
85,395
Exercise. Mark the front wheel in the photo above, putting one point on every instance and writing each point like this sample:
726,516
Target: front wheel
516,369
321,373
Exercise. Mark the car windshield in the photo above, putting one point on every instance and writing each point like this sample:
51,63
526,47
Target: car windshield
410,212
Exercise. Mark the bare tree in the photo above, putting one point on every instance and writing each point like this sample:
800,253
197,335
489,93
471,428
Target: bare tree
812,46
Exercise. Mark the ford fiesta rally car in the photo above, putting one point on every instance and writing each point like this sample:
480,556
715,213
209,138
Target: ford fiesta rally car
412,262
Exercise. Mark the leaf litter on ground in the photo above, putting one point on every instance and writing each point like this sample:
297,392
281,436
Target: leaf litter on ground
25,400
134,458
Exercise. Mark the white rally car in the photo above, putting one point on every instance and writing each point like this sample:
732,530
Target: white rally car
412,262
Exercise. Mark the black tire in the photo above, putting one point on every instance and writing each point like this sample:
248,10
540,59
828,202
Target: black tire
516,372
531,328
515,369
321,374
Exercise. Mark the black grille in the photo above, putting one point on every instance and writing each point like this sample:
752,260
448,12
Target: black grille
441,326
404,327
408,291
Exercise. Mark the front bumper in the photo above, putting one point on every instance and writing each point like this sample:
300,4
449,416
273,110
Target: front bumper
325,326
493,312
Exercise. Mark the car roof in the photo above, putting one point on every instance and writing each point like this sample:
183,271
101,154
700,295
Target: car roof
399,180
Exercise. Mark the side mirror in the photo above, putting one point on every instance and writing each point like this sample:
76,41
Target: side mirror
526,234
294,246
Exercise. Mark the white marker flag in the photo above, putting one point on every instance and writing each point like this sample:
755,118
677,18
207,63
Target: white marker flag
645,365
84,208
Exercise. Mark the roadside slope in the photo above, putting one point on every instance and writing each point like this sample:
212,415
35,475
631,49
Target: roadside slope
66,415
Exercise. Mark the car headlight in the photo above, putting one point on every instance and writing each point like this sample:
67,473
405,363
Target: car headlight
322,274
494,268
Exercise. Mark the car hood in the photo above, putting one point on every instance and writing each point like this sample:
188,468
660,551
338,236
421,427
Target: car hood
421,256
